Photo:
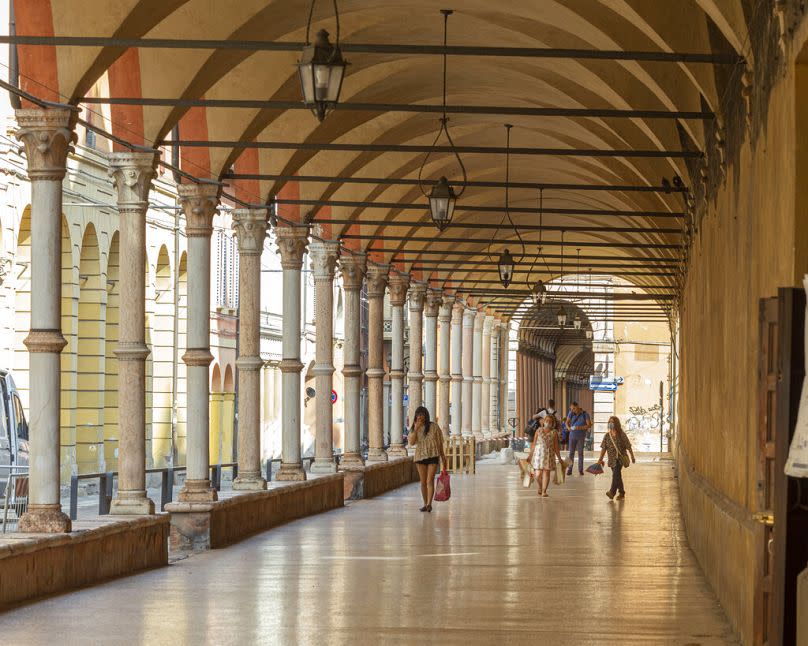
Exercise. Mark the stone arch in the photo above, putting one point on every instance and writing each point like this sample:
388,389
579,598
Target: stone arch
215,409
228,383
162,353
216,379
111,429
91,354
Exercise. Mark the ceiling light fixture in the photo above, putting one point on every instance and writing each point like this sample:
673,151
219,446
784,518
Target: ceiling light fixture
442,197
322,69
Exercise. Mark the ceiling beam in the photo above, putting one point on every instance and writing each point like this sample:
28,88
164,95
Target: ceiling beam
389,181
350,106
421,148
377,48
462,253
579,295
494,226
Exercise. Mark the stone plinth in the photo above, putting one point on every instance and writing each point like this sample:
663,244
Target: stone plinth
197,526
35,565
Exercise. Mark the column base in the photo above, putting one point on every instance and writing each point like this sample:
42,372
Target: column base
249,483
351,462
323,465
397,451
291,472
45,519
376,455
132,503
197,491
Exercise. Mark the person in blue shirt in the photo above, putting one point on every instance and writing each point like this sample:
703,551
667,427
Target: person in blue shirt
578,422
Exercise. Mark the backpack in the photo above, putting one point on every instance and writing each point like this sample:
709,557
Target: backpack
531,428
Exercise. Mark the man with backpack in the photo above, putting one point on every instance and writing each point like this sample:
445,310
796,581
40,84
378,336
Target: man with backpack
578,422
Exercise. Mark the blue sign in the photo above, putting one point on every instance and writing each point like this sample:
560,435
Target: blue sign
406,399
606,384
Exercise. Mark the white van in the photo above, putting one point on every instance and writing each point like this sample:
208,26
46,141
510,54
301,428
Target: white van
13,429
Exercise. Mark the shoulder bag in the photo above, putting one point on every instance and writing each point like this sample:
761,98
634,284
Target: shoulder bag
620,456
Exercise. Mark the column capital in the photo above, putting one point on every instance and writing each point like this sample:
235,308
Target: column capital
398,286
199,202
47,134
417,297
458,310
469,315
292,242
488,324
434,299
250,226
377,280
479,319
132,174
352,268
323,256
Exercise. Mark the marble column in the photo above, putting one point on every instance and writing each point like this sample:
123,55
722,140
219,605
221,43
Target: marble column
398,286
444,376
415,376
292,242
457,368
199,202
477,373
323,256
250,226
468,369
504,406
46,135
132,174
352,269
485,397
376,283
433,303
493,403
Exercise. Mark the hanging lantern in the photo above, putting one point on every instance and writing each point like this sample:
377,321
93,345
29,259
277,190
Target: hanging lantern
321,70
576,322
506,265
539,293
442,200
589,334
562,317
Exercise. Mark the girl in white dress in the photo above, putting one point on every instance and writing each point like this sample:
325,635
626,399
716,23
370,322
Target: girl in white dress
544,451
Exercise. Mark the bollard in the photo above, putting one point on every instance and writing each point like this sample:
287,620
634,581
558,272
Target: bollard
166,487
105,492
74,497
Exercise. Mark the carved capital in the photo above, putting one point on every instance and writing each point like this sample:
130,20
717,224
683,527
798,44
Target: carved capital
323,259
199,202
47,134
417,297
468,317
292,243
132,174
479,318
352,267
250,226
458,309
398,285
377,280
434,299
488,325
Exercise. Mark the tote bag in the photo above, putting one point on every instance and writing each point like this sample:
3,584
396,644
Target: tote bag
443,489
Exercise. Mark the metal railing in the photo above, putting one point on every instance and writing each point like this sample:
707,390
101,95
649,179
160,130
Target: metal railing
15,495
106,485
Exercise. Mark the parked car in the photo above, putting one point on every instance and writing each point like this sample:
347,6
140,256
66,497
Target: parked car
13,429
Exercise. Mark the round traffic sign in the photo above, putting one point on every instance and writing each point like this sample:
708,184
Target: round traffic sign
333,396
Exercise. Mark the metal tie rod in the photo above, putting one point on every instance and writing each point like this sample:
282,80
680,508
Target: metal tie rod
414,206
377,48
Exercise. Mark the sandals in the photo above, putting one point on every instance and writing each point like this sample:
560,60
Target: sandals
424,508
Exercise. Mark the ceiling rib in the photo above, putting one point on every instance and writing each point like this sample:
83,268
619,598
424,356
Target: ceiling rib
546,243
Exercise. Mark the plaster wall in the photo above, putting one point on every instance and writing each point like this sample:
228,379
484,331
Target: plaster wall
751,242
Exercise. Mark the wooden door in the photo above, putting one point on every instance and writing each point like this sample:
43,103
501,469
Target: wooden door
782,502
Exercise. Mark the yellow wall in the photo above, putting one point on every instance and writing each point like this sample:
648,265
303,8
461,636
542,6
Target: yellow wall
745,250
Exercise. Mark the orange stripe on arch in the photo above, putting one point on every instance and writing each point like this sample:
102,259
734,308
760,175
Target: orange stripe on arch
39,72
124,80
290,212
376,256
248,190
196,161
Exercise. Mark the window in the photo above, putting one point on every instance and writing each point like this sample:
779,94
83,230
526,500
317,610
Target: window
19,415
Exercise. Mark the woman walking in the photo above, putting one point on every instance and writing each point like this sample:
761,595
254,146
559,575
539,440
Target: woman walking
428,440
618,446
544,451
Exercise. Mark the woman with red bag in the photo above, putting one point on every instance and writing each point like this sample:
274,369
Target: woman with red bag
428,440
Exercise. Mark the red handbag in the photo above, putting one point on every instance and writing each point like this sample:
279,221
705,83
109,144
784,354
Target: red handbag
443,489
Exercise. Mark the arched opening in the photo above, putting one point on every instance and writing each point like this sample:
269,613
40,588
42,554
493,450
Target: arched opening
162,353
215,436
111,428
91,357
228,416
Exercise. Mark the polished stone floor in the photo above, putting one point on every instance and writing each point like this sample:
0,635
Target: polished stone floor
495,565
